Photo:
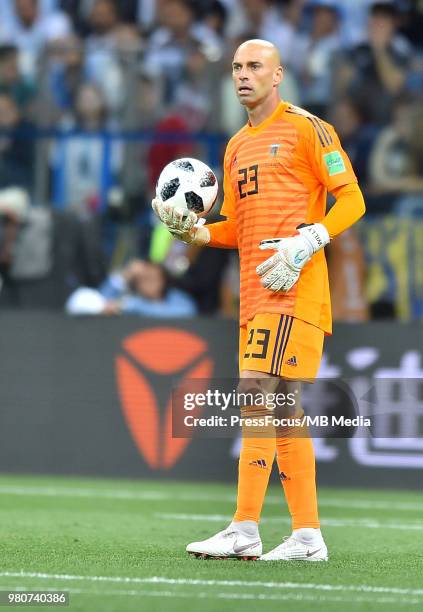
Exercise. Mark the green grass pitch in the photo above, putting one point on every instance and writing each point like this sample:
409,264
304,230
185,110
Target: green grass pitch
120,546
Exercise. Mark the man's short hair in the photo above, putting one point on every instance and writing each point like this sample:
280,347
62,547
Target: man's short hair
387,9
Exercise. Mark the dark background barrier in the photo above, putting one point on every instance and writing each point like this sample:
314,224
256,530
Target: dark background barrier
92,396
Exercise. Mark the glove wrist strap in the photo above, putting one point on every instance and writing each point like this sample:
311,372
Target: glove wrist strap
316,235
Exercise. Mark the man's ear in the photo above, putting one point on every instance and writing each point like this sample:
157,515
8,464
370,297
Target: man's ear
277,76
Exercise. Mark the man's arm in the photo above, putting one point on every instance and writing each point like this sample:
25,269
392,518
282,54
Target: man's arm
281,271
223,234
348,209
330,165
392,70
392,76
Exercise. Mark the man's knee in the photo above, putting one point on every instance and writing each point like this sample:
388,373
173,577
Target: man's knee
261,394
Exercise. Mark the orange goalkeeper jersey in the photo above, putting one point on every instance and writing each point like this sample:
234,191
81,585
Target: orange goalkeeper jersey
276,176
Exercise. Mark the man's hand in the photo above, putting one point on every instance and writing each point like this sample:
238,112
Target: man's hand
187,228
282,270
111,308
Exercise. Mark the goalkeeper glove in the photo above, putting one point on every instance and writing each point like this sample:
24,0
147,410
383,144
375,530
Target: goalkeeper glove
187,228
282,270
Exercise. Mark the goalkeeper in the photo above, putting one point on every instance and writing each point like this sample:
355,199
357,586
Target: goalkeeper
277,171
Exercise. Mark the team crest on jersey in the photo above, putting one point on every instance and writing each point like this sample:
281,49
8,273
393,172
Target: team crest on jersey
274,150
235,161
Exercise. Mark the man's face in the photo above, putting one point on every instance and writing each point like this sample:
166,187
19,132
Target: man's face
89,104
149,282
103,16
256,73
27,10
255,9
177,17
381,27
325,21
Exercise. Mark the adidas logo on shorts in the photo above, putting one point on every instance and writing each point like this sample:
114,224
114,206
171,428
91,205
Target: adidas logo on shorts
292,361
259,462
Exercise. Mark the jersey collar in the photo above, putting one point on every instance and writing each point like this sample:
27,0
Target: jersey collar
281,107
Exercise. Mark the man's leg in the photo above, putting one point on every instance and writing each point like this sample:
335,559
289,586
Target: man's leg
295,452
257,451
266,344
296,463
295,456
241,538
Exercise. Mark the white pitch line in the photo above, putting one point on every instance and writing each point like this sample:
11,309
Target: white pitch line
358,504
362,523
155,495
88,493
227,595
359,588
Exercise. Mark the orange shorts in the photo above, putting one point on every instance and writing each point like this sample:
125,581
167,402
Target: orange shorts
281,345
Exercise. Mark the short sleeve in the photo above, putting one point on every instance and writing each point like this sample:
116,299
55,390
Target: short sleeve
330,163
228,206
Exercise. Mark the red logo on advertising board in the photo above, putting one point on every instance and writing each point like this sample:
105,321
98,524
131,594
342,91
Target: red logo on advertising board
170,353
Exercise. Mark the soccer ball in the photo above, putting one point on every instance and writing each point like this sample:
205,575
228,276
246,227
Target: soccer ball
188,184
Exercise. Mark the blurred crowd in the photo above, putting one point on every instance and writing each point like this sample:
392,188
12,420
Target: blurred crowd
96,96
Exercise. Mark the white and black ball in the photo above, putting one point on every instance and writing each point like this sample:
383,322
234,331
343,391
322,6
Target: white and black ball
189,185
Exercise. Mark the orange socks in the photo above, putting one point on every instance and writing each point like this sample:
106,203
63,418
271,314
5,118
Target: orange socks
255,464
297,472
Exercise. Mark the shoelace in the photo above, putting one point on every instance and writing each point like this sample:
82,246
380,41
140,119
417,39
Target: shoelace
290,541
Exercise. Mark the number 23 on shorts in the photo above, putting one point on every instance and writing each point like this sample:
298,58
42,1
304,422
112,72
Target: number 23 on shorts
262,343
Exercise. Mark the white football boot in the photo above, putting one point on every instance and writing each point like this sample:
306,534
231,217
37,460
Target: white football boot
302,545
238,541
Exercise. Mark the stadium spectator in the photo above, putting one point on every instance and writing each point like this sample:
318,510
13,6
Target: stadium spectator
107,28
215,17
16,146
66,74
79,159
130,11
263,19
31,29
357,135
313,56
396,162
7,9
143,111
375,72
354,17
171,43
12,82
194,97
51,253
141,288
101,52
